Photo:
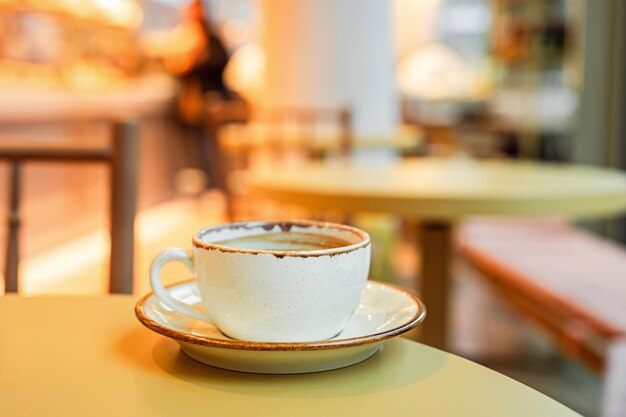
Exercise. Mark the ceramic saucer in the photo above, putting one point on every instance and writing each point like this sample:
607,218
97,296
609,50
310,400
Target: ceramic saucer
385,311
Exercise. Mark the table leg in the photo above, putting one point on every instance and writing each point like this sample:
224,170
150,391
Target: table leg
435,252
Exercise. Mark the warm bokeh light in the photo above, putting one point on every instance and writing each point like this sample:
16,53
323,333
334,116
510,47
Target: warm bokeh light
235,32
124,13
437,72
244,71
86,45
108,4
181,46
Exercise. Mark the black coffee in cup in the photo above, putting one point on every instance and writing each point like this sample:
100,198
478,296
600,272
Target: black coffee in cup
286,241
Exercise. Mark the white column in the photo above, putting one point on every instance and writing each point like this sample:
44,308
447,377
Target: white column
332,53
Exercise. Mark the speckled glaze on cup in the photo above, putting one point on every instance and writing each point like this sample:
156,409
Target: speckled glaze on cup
272,295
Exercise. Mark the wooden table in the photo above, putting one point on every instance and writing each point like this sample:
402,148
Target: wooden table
440,191
89,356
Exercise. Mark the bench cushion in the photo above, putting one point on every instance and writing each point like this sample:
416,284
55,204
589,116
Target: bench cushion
552,262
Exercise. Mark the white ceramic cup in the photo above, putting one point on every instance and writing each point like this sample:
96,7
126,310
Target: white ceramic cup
271,292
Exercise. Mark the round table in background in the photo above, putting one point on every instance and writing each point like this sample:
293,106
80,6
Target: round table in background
89,356
437,192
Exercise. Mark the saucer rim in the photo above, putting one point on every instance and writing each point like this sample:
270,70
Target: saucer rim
235,344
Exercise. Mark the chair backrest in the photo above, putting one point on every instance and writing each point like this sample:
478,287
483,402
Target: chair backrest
121,156
248,137
298,131
311,132
221,113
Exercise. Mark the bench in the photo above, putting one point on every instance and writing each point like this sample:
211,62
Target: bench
570,282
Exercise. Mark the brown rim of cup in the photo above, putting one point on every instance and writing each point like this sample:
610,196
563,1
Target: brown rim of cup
283,224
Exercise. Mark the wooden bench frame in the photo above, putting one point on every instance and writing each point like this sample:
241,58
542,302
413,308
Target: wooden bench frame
580,335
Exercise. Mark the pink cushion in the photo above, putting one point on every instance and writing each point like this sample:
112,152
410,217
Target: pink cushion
567,264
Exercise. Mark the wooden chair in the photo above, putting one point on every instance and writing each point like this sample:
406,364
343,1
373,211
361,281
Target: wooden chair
122,157
262,136
220,113
302,129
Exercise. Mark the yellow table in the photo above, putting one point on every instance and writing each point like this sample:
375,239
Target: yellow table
440,191
89,356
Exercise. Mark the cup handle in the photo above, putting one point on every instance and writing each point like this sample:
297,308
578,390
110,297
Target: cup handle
170,255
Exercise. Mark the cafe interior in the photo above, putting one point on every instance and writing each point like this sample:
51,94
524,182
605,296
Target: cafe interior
480,143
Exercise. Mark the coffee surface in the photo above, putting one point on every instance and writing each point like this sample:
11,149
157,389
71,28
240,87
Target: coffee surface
286,241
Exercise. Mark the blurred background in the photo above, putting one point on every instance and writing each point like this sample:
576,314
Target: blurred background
224,87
